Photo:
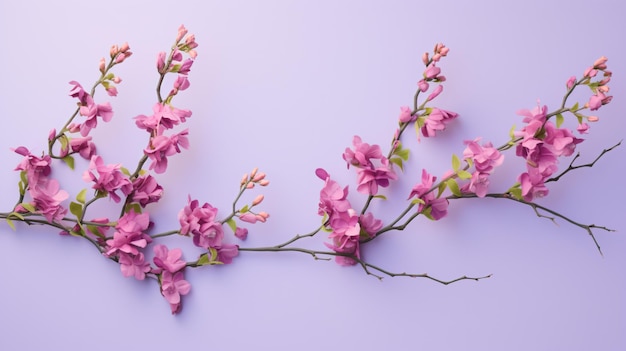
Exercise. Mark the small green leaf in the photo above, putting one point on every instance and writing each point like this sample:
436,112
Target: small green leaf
244,209
135,207
398,162
16,215
29,207
125,171
23,177
69,161
94,230
464,174
454,187
77,234
456,163
575,107
81,197
203,260
231,223
10,223
76,209
380,197
403,153
441,189
512,132
559,120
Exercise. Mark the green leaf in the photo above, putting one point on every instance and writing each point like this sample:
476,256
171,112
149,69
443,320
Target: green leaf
10,223
464,174
76,209
29,207
125,171
418,201
81,197
23,177
94,230
403,153
398,162
15,214
559,120
135,207
441,189
575,107
456,163
454,187
203,260
244,209
380,197
231,223
512,132
69,161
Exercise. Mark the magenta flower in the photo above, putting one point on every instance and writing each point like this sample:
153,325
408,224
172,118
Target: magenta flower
362,153
533,185
560,140
129,234
369,224
479,183
83,146
202,224
162,146
437,121
168,260
173,286
369,179
107,179
405,115
332,196
91,111
485,157
35,167
423,190
227,252
133,265
146,190
47,197
241,233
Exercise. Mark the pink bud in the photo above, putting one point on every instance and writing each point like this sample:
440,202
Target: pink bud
241,233
570,82
425,59
593,119
422,85
603,88
120,58
102,65
244,179
438,47
248,217
260,218
582,128
600,63
405,114
124,48
253,173
264,182
258,177
250,185
432,72
182,31
193,54
117,80
590,72
444,51
257,200
52,134
114,50
112,91
265,215
435,93
436,57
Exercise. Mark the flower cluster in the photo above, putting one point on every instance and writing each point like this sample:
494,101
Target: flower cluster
126,239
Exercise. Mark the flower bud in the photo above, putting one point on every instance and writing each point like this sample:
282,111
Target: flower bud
264,182
257,200
114,50
124,48
435,93
253,173
244,179
425,59
258,177
600,63
593,118
102,65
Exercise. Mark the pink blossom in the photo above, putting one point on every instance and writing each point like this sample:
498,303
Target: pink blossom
47,197
134,265
560,140
345,235
201,223
423,191
91,111
485,158
35,167
162,146
173,286
369,224
370,179
161,62
77,91
405,115
437,121
168,260
537,114
227,252
107,179
84,147
129,234
422,85
146,190
362,153
241,233
582,128
332,196
431,72
533,184
479,184
596,101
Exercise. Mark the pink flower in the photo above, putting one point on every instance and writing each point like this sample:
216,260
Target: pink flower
146,190
47,197
432,72
129,234
485,158
241,233
423,190
370,179
560,140
168,260
437,121
596,101
362,153
134,265
537,113
91,111
422,85
107,179
369,224
533,185
84,146
479,183
173,286
227,252
162,146
332,196
405,115
35,167
202,224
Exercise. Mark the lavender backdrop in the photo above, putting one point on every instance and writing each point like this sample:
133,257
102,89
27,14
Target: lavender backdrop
284,85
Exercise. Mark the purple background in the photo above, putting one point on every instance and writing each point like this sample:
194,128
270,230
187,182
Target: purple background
284,86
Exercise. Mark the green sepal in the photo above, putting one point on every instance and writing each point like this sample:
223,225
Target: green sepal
244,209
15,214
454,187
81,197
456,163
69,161
380,197
559,120
418,201
204,259
231,223
23,177
427,212
29,207
77,234
76,209
135,207
464,174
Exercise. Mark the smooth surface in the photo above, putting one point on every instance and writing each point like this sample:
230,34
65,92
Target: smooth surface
284,86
